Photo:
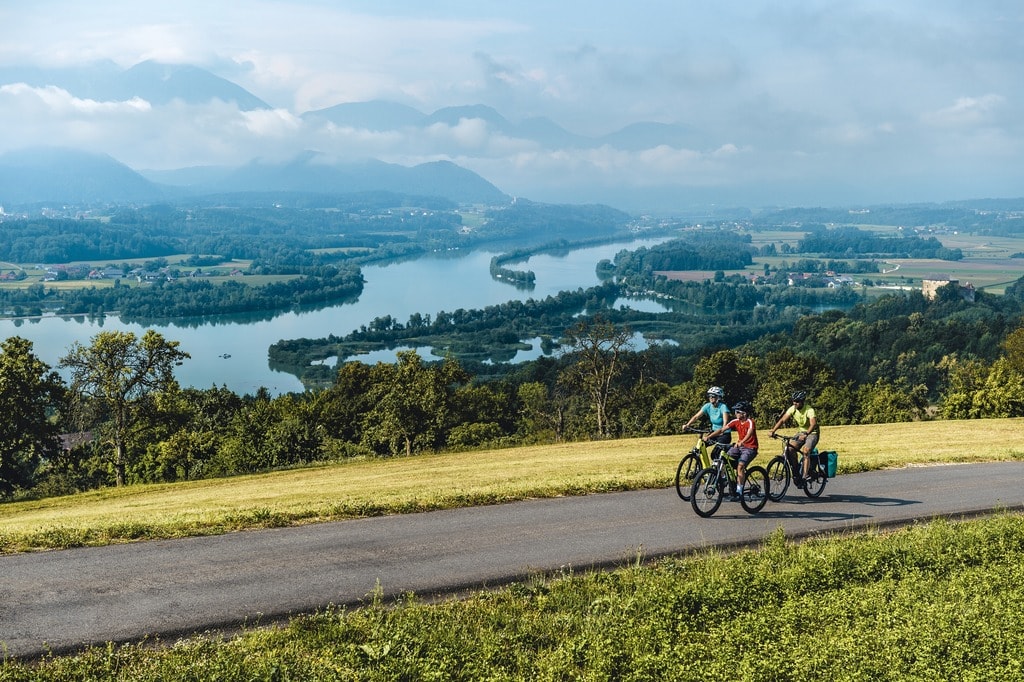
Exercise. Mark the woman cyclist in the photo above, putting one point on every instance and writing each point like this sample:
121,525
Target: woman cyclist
718,414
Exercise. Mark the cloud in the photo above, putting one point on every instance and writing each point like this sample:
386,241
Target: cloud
966,112
54,101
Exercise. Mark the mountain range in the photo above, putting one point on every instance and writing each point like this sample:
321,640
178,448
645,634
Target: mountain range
47,175
161,84
66,174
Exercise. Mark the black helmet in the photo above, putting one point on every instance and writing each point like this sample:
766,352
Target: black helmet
743,406
799,396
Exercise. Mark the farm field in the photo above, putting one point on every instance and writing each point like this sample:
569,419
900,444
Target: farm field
989,274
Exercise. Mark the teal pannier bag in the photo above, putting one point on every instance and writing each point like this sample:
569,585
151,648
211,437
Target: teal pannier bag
833,462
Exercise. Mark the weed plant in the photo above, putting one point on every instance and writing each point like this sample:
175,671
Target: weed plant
937,601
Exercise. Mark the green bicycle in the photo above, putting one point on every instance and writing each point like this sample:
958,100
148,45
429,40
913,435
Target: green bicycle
713,482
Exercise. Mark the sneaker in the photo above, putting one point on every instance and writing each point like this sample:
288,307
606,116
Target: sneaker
734,497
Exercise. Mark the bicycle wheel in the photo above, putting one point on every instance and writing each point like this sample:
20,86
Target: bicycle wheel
814,484
756,490
706,494
689,467
778,478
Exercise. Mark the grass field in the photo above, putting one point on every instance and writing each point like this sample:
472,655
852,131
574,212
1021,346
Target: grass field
410,484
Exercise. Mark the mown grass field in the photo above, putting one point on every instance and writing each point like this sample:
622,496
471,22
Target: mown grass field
410,484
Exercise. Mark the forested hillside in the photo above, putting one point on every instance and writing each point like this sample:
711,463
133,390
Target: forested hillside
893,357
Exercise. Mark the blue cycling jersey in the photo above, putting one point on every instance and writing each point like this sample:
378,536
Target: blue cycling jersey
716,413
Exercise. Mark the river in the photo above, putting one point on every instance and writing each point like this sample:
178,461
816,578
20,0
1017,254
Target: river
232,352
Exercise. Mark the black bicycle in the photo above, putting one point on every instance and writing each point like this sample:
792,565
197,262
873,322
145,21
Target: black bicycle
715,481
780,471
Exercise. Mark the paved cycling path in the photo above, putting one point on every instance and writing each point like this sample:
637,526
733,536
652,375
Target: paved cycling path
58,601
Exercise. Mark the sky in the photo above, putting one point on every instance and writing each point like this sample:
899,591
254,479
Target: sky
808,102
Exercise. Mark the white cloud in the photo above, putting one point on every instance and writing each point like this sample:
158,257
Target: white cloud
966,111
59,102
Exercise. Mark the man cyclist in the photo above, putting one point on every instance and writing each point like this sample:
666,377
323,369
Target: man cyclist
807,436
718,414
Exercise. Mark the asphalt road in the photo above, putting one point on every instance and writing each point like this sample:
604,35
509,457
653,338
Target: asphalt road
59,601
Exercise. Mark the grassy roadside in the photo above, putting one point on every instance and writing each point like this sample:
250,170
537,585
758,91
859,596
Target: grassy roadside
903,605
427,482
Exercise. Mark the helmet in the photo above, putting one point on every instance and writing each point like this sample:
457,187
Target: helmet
716,391
743,406
799,396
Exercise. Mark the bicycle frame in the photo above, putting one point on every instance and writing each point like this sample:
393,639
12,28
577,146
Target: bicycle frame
693,462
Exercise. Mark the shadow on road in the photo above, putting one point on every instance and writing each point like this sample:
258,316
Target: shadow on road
808,508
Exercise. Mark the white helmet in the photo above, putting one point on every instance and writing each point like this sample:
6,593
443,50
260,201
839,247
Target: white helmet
716,391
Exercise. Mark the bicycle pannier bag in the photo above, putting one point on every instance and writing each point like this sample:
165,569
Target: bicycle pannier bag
833,462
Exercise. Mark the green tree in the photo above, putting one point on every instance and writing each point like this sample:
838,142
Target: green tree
596,361
29,392
781,372
887,402
1002,393
541,416
1013,349
348,401
412,403
965,378
116,374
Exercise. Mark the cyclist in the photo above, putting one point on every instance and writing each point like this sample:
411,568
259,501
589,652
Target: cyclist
718,414
809,430
745,448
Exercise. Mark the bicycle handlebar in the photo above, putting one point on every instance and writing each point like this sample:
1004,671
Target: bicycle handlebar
787,438
690,429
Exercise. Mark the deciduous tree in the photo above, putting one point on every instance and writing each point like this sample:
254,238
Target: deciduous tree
596,362
115,373
29,392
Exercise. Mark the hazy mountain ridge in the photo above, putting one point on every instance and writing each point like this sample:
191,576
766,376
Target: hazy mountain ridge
155,82
159,84
66,176
432,135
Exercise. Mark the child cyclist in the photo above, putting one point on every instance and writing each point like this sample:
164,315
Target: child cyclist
745,448
718,414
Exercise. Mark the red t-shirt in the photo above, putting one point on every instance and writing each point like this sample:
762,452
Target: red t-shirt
746,431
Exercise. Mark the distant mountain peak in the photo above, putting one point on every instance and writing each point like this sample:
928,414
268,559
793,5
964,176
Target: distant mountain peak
70,176
375,115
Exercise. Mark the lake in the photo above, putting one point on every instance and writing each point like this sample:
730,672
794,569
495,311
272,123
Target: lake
233,352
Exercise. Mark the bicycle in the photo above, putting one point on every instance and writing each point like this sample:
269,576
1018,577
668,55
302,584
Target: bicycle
712,483
780,471
693,462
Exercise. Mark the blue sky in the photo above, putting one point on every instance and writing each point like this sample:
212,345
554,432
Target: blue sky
790,102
